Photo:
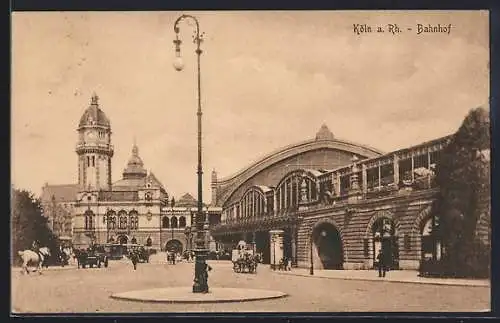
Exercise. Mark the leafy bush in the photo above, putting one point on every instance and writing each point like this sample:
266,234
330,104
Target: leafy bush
28,225
462,175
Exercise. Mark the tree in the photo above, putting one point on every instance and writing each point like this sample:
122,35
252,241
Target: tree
463,177
28,223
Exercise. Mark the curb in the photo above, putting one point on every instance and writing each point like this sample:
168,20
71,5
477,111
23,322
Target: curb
390,281
130,299
173,299
18,269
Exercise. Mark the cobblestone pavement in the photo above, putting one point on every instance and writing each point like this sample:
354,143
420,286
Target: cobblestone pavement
89,290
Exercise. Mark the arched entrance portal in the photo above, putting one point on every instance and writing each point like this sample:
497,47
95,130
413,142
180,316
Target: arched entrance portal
385,239
174,245
326,238
262,245
122,239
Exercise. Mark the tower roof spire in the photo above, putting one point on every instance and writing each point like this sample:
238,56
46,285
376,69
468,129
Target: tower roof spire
135,149
95,99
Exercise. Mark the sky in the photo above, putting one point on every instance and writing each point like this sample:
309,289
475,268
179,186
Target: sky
268,79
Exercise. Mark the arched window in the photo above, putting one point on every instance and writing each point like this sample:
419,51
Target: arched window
173,222
134,222
89,220
134,240
122,220
149,242
253,203
182,222
165,222
295,188
111,220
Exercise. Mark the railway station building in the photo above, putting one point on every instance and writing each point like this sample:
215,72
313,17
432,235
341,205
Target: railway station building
335,203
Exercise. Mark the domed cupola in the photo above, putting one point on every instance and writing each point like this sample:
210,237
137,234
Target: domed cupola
135,166
94,116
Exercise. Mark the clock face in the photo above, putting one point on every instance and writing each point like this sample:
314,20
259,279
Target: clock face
90,134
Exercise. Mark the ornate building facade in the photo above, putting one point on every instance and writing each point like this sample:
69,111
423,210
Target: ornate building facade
336,204
134,209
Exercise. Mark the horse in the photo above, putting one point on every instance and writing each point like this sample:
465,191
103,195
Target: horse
35,259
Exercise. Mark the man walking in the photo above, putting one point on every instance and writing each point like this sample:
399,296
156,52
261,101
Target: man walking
382,266
204,282
135,258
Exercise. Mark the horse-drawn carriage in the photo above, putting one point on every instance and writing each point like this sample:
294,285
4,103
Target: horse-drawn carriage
92,256
244,258
140,251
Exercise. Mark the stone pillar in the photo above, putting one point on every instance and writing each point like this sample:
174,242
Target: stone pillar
354,179
286,194
303,191
379,176
275,201
354,192
396,169
276,246
332,179
252,204
293,233
364,178
429,179
412,167
280,198
296,184
337,184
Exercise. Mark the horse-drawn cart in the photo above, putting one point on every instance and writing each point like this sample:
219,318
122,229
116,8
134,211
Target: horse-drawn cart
244,259
95,256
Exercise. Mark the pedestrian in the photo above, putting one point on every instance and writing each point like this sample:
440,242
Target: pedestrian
134,258
382,267
204,284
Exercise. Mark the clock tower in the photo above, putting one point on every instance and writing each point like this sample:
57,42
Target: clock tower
94,148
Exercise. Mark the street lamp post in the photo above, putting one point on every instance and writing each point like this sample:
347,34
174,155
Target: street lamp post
200,282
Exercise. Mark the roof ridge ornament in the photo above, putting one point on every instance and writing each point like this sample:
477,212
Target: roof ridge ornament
135,150
324,133
95,99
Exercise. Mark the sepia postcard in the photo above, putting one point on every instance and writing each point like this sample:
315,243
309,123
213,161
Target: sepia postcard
250,161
